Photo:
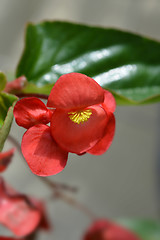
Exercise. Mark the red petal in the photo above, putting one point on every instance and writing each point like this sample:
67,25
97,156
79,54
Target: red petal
104,143
5,159
17,213
105,230
41,152
31,111
109,103
75,90
78,138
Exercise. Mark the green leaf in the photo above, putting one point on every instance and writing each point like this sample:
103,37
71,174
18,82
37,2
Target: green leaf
146,229
2,81
125,63
7,102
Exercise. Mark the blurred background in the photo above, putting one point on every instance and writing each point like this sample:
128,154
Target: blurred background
124,181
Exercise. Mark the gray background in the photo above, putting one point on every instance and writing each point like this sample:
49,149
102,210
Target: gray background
122,182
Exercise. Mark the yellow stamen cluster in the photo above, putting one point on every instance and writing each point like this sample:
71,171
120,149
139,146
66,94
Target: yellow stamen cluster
80,116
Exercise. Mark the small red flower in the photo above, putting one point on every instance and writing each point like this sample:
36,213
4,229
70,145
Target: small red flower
81,120
103,229
19,213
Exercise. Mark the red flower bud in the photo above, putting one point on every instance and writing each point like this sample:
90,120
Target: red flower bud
16,85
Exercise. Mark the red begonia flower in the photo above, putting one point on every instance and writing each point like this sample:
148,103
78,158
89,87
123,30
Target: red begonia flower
5,159
18,212
81,120
105,230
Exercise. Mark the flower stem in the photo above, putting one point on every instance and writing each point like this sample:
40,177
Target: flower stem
75,203
58,186
71,201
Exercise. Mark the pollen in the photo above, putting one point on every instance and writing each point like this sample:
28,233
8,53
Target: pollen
80,116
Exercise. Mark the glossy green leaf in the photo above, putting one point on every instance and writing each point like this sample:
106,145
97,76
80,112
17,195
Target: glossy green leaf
145,229
2,81
125,63
7,102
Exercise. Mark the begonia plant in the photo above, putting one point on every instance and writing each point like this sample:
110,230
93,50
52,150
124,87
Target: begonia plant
67,85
